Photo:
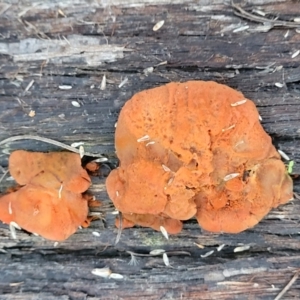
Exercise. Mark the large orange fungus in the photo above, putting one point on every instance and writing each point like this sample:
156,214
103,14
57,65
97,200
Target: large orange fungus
195,149
50,201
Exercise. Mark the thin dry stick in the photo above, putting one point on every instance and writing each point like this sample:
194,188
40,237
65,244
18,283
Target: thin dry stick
287,287
46,140
276,23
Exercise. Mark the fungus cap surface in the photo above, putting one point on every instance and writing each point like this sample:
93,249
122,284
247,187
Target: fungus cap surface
50,202
195,149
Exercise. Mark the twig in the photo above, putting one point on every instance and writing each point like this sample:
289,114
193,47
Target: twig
49,141
106,246
276,23
287,287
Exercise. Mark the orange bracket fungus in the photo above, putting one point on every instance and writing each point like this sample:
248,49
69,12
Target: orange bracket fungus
195,149
50,201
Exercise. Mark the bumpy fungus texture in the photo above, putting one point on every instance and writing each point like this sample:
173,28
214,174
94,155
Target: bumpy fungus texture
49,201
195,149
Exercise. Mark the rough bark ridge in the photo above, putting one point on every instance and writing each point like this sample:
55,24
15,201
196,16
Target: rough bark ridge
53,56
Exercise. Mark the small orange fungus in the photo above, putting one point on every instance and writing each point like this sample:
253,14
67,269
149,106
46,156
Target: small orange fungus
50,201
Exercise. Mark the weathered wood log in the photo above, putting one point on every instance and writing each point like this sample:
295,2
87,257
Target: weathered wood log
53,53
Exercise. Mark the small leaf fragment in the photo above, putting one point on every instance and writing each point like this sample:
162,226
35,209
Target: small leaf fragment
290,166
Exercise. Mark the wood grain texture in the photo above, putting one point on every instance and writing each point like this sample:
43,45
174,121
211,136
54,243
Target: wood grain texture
48,46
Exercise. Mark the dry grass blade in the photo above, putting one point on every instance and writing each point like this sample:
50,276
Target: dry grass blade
221,247
158,25
96,233
119,228
157,252
241,248
209,253
103,272
199,246
103,83
295,54
30,84
3,176
116,276
255,18
143,138
283,155
166,259
239,102
123,82
16,283
287,287
164,232
231,176
81,151
12,228
49,141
